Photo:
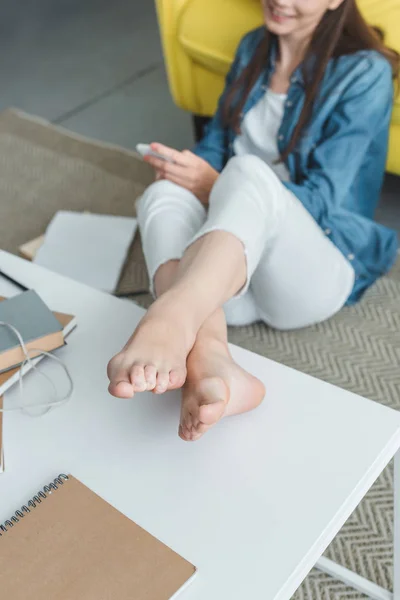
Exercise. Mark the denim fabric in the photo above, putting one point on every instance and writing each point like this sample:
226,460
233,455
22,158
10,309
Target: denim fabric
337,168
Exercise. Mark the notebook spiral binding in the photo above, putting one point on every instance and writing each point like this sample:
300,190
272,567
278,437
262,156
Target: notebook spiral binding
37,499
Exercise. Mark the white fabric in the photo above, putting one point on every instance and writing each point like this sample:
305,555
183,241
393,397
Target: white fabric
296,276
260,129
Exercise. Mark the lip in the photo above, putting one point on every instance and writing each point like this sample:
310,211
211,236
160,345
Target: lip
278,17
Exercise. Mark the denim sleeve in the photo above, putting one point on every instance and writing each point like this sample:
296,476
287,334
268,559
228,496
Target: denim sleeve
363,111
212,147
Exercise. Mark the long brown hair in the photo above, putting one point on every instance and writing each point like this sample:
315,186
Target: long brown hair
341,31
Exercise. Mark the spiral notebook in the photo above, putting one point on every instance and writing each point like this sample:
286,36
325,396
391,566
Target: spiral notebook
67,539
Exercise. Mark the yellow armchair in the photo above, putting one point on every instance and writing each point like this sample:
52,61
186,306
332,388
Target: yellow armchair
200,38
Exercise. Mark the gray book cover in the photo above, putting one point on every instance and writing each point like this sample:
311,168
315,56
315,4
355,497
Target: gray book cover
30,316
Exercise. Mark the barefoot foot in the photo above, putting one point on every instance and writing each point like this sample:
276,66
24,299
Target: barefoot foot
215,387
155,356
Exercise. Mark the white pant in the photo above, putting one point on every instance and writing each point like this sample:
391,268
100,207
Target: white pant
296,276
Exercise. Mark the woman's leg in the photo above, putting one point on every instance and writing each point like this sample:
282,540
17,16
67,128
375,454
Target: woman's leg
217,264
168,216
302,279
215,385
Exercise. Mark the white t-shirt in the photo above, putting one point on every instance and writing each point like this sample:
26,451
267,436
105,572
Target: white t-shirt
260,129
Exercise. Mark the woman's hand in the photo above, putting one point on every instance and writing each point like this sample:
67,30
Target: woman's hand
186,170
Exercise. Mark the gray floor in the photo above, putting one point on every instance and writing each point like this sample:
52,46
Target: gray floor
93,66
96,67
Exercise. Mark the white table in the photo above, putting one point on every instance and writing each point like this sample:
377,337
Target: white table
253,505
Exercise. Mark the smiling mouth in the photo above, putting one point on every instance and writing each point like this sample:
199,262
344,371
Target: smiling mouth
279,14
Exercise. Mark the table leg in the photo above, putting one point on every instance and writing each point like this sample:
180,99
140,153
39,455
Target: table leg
348,577
360,583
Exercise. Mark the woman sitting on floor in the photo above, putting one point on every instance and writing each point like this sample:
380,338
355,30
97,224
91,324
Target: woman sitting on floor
271,217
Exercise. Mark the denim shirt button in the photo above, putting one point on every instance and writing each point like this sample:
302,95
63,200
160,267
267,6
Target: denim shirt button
281,137
289,103
328,231
264,87
351,256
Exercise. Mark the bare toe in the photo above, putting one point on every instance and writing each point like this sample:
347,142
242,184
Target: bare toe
186,426
176,379
150,373
184,433
120,382
121,389
203,405
138,379
162,382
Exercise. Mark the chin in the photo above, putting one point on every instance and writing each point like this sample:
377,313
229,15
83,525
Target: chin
279,28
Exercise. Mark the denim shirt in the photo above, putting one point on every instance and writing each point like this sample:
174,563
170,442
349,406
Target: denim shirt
337,168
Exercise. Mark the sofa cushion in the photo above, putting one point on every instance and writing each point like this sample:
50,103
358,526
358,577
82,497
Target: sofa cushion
386,15
210,31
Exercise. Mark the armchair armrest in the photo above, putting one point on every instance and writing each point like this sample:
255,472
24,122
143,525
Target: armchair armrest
178,64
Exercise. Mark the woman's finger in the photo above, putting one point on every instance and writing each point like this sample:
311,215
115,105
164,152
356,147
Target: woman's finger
192,159
190,154
167,168
156,163
173,170
177,157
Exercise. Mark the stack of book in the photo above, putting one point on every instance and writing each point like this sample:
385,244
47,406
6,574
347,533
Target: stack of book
40,328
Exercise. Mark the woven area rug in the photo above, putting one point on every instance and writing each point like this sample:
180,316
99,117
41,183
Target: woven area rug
44,169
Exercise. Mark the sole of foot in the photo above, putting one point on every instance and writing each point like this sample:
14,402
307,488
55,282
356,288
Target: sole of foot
215,387
154,359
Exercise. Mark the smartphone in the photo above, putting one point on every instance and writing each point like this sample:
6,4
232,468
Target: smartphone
144,150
